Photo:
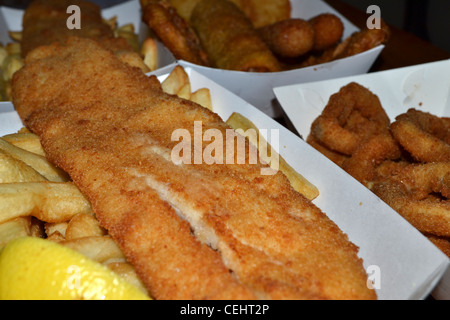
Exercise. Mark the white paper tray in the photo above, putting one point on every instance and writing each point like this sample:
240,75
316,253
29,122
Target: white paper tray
425,87
410,265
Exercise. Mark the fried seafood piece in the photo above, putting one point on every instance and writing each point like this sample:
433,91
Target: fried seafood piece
419,192
45,22
229,38
173,31
350,117
420,179
288,38
369,155
425,136
443,243
328,30
358,42
191,231
427,212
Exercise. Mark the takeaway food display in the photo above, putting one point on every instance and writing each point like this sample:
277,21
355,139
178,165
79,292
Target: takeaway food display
59,231
137,159
234,39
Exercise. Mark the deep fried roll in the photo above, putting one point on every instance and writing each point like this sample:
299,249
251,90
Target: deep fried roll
288,38
230,39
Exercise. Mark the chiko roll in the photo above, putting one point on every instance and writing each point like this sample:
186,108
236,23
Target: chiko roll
229,38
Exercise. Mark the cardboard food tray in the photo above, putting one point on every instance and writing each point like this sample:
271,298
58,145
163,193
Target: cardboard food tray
409,265
425,87
256,88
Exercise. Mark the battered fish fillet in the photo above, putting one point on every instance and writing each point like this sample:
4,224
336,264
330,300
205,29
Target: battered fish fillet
45,22
191,231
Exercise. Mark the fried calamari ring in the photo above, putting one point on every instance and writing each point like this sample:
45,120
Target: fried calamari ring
364,161
443,243
328,30
419,192
288,38
356,43
421,179
353,101
429,215
173,31
425,136
365,40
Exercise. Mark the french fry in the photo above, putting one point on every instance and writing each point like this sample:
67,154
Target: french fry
133,59
25,140
56,237
13,48
11,64
56,228
15,35
13,170
185,91
98,248
298,182
127,32
47,201
37,162
83,225
175,80
14,228
5,91
150,53
203,97
3,54
111,22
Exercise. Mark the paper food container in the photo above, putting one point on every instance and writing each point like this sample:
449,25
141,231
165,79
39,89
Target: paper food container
256,88
425,87
408,265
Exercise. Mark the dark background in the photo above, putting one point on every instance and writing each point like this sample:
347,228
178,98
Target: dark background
427,19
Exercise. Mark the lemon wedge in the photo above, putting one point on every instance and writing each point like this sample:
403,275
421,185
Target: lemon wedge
32,268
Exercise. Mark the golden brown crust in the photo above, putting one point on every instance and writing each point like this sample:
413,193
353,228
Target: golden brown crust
288,38
229,38
191,231
174,31
45,22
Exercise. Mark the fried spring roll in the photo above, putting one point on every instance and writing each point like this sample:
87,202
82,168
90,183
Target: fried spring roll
230,39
